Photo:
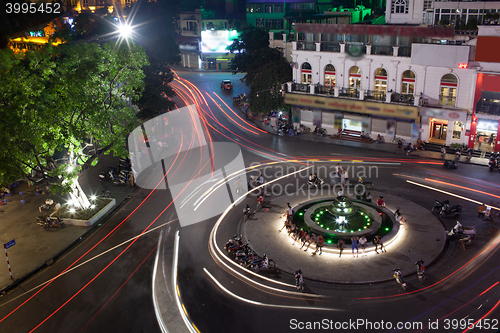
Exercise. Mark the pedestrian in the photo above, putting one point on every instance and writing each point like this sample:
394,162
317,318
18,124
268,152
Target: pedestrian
377,240
354,245
480,141
301,236
342,178
312,240
481,211
305,240
57,206
346,175
443,152
319,244
380,202
340,246
362,244
338,170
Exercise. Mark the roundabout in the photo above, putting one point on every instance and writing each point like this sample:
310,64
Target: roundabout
405,244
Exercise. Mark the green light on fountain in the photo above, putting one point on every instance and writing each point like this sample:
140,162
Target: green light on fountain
386,229
321,226
327,228
329,241
301,214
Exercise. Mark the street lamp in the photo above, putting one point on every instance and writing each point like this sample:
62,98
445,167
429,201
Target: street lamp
125,30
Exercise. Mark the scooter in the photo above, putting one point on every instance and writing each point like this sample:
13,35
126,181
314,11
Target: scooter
438,205
236,239
265,262
492,163
53,223
246,213
469,155
399,278
461,232
450,164
316,184
447,211
420,270
299,280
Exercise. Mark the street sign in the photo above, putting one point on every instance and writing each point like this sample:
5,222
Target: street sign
9,244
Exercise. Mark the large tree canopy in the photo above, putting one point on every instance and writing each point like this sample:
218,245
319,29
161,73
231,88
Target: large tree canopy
266,69
62,98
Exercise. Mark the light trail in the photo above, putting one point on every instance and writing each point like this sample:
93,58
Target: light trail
462,187
449,193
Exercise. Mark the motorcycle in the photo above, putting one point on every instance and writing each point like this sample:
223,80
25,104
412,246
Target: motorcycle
461,233
438,205
318,183
246,213
299,280
420,270
232,241
450,164
320,131
447,211
469,155
399,278
265,262
53,223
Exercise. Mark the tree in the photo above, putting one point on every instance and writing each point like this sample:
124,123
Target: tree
157,93
63,98
266,69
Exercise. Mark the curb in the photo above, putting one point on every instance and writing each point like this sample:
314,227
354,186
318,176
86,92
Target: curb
52,259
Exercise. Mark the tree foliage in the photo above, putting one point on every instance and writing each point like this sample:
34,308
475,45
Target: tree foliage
266,69
157,92
62,98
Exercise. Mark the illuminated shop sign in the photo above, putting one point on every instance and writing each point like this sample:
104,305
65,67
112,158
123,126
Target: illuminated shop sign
216,41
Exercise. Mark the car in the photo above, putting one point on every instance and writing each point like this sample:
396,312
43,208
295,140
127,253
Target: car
226,84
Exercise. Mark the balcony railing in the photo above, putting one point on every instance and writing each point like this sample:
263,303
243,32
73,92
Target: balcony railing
349,92
300,87
306,46
402,98
324,90
330,47
382,49
447,100
376,95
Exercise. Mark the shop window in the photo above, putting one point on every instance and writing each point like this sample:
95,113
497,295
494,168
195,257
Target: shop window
381,80
330,76
355,77
306,73
457,130
448,91
408,83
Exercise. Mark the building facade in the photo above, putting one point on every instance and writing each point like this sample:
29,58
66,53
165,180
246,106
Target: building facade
383,85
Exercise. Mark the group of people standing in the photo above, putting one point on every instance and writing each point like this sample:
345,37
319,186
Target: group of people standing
339,175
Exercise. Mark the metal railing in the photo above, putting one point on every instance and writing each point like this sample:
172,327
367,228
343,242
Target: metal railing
306,46
404,51
402,98
324,90
374,94
300,87
330,47
349,92
382,49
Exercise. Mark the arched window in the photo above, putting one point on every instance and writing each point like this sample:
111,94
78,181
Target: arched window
448,93
306,73
408,83
380,80
399,7
329,76
355,77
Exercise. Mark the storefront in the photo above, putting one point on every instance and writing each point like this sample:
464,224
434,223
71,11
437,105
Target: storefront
486,134
373,118
443,126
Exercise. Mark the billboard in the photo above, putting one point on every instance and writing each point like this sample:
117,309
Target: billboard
216,41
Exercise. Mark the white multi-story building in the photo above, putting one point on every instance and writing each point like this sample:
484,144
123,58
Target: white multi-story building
382,80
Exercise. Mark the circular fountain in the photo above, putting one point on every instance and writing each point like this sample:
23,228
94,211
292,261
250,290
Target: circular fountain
343,217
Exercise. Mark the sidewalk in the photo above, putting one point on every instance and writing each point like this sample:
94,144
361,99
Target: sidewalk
35,246
385,147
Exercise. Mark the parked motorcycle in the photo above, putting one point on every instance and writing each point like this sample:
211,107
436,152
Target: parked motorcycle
234,244
444,209
53,223
420,270
399,277
469,155
461,233
265,262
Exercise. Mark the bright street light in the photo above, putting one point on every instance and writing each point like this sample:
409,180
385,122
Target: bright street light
125,30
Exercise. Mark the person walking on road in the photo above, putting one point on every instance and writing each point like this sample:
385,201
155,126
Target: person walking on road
354,245
340,246
378,243
362,245
481,211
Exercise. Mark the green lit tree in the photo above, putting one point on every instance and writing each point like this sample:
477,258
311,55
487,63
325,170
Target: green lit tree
64,99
